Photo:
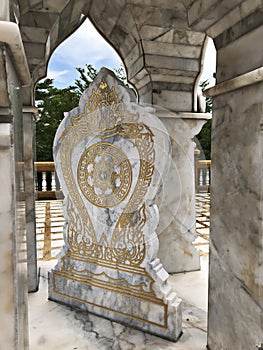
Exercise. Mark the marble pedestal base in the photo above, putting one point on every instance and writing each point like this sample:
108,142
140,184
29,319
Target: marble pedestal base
100,288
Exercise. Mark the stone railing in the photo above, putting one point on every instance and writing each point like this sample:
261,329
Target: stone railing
48,187
202,175
47,184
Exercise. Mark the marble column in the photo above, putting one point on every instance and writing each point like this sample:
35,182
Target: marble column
6,242
165,68
13,267
236,240
28,121
177,227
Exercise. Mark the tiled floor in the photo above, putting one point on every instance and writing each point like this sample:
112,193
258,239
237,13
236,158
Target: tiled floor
202,205
50,223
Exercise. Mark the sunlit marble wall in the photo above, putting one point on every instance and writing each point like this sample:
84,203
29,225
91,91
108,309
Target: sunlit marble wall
13,271
29,184
236,285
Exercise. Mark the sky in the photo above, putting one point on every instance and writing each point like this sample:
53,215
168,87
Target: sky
87,46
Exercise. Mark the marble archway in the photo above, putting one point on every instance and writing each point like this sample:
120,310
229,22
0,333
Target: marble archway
144,35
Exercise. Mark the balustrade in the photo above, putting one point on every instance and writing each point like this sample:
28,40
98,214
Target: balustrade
47,184
48,187
202,175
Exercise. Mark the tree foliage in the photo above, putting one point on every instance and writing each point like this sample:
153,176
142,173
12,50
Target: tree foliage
87,75
204,84
204,137
52,103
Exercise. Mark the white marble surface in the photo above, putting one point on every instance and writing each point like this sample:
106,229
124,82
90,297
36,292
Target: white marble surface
13,269
236,285
58,327
236,51
91,273
177,226
29,190
6,241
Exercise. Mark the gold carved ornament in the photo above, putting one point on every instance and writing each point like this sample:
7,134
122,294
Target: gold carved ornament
104,175
107,117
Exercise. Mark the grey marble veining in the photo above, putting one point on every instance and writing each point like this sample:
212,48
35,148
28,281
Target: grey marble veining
177,226
161,46
56,327
235,290
111,157
29,181
13,268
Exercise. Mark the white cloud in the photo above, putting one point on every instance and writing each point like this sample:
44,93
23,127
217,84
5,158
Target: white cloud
52,74
84,46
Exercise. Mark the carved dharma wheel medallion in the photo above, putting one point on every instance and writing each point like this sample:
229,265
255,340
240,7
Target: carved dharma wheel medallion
104,175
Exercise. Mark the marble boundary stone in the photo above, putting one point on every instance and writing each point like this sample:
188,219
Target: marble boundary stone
94,273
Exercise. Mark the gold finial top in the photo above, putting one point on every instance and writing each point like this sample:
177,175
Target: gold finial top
103,84
104,96
104,110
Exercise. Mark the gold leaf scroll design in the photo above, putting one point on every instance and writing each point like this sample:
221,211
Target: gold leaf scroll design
104,100
104,96
81,235
141,136
127,243
145,286
103,112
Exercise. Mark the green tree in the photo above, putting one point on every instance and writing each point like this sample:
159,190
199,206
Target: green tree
204,137
204,84
87,75
52,103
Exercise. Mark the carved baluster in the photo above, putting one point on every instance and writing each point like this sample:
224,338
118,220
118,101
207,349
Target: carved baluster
201,177
44,181
207,179
53,181
21,181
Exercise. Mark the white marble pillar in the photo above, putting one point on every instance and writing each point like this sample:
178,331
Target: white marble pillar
13,267
7,320
28,125
13,276
177,227
236,240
